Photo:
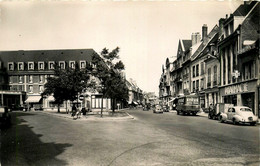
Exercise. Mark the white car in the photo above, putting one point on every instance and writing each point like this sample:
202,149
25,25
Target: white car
157,109
239,114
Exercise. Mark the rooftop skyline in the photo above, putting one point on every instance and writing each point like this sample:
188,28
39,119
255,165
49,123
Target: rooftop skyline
146,32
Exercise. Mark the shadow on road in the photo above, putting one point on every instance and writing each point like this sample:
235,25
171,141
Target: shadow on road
21,146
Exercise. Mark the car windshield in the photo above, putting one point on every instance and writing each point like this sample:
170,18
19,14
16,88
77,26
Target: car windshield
246,109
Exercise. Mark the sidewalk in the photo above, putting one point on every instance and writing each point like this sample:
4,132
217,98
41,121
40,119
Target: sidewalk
119,115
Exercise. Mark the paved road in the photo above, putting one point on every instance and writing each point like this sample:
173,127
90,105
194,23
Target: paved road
151,139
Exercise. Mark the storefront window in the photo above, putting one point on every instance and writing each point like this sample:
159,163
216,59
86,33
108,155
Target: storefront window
231,99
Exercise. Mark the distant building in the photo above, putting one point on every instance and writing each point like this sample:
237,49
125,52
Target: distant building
134,92
26,72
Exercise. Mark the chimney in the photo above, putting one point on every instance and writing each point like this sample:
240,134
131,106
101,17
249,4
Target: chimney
204,31
195,38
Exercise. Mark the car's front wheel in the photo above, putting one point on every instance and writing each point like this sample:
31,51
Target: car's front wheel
234,121
220,119
253,123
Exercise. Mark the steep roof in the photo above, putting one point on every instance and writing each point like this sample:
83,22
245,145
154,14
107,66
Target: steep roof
242,10
186,44
203,44
46,55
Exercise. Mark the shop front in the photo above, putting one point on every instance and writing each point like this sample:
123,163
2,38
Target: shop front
241,94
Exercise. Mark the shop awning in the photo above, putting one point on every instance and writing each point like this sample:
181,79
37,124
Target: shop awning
171,100
33,99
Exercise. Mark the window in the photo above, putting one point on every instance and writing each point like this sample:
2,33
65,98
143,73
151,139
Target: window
193,71
202,68
41,89
51,65
20,79
30,89
30,79
72,64
209,77
11,79
193,83
215,75
197,84
197,70
202,84
82,64
30,66
41,78
249,70
40,65
62,65
10,66
20,66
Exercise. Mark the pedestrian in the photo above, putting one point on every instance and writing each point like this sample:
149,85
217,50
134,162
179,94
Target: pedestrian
73,110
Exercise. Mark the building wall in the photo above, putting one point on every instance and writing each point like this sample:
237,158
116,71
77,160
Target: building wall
28,71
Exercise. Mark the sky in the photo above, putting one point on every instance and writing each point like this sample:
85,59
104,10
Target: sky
147,32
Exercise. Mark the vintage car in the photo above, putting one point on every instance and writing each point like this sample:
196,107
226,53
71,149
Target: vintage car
239,114
157,109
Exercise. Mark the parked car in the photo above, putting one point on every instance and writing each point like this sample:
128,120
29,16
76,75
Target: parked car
157,109
239,114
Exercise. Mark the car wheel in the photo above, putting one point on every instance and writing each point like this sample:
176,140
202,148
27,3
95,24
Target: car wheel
209,116
220,119
194,113
253,123
234,121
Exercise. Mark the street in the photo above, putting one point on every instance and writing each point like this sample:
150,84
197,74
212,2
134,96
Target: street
37,138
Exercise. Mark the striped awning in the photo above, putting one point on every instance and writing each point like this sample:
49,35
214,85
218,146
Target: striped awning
33,99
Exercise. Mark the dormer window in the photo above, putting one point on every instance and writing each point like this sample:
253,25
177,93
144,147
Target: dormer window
40,65
11,66
62,65
51,65
72,64
20,66
30,66
82,64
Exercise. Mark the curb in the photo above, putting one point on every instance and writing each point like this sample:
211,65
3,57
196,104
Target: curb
85,117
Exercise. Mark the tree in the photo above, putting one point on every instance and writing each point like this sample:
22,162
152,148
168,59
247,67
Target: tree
67,84
109,73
